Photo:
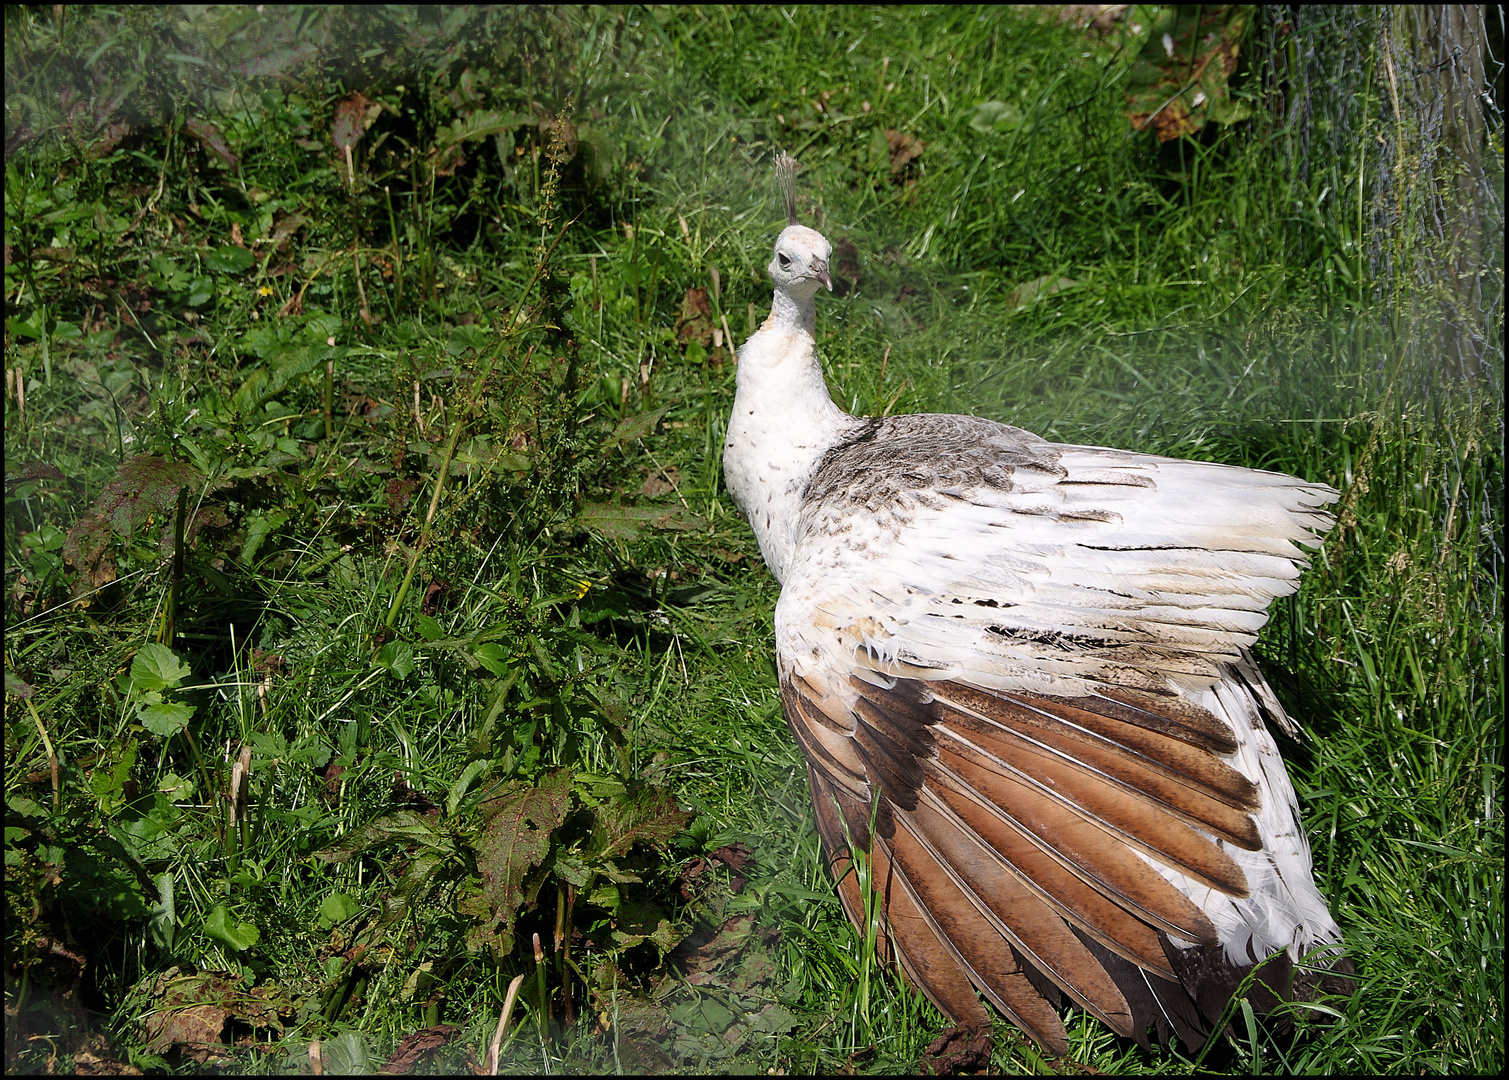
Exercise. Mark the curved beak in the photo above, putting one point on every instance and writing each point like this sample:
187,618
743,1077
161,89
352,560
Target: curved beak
820,271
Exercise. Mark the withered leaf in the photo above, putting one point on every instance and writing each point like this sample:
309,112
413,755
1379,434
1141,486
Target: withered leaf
208,134
696,320
417,1046
959,1049
350,116
904,149
649,815
515,839
1179,79
143,491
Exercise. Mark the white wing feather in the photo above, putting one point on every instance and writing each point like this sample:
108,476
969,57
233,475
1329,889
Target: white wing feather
1119,569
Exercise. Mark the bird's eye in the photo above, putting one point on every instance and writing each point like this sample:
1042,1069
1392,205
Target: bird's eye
785,262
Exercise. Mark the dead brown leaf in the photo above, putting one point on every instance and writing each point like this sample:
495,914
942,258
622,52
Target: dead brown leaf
143,493
188,1027
191,1011
904,150
957,1050
109,138
703,954
696,320
737,858
103,1062
209,135
514,840
661,482
417,1047
284,225
434,597
346,129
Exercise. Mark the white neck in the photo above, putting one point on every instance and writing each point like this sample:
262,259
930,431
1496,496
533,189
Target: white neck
783,424
796,312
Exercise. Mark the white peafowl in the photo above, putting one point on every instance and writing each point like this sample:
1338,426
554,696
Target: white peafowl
1027,665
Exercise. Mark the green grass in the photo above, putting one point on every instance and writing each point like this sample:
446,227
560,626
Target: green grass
307,351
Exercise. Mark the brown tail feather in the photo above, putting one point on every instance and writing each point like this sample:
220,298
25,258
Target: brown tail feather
1098,773
1097,858
993,850
944,937
1078,816
984,925
1006,850
1158,1003
927,961
1164,713
1110,739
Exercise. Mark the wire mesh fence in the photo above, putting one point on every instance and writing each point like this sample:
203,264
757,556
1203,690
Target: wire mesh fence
1395,113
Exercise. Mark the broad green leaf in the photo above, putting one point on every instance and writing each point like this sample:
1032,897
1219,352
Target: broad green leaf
239,936
157,667
347,1055
33,326
397,657
405,826
637,922
285,366
418,983
200,291
21,806
162,923
703,1016
175,787
108,780
337,907
493,657
625,522
230,260
1031,292
635,427
165,720
774,1018
469,337
463,784
572,870
269,744
995,116
483,124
